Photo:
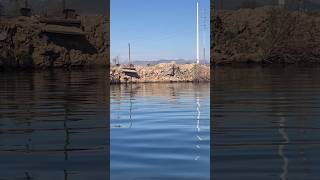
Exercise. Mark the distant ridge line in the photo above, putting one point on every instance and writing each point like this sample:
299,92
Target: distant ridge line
178,61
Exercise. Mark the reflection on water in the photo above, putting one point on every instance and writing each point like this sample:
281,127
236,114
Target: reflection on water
285,137
160,131
266,123
54,125
198,124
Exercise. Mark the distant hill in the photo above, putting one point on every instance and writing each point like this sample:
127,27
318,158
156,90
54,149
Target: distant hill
178,61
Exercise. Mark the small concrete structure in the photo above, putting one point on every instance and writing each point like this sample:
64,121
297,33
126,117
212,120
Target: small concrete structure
66,25
62,26
130,71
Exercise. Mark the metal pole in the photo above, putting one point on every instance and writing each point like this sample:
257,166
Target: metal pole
204,54
197,32
129,54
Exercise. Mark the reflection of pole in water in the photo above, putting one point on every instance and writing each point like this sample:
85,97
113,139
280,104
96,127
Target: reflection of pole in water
66,129
199,113
118,98
66,118
198,123
284,134
130,109
67,142
28,145
131,95
65,174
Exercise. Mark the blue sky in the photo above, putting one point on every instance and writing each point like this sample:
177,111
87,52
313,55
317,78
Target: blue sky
157,29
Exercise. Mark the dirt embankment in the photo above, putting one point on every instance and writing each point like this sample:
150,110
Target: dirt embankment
266,35
164,72
24,44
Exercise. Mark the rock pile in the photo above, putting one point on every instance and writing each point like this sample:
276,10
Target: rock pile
165,72
266,35
24,45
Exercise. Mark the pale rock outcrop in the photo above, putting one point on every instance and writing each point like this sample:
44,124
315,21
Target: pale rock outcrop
164,72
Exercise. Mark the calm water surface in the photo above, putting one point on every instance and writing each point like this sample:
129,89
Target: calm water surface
266,124
54,125
160,131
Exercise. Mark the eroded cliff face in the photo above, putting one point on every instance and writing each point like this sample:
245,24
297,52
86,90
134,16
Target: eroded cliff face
24,44
266,35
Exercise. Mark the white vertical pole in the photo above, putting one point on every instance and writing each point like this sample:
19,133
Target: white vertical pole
129,54
197,32
204,54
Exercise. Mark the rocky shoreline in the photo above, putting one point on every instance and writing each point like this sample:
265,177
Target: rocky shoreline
163,72
25,45
266,35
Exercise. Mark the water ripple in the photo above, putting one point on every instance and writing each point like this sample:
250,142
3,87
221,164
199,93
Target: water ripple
160,131
54,125
265,123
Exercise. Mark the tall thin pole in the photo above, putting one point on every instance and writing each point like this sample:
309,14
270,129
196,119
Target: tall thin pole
197,32
204,54
129,54
204,33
